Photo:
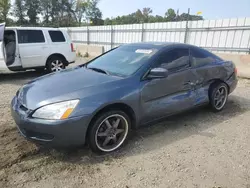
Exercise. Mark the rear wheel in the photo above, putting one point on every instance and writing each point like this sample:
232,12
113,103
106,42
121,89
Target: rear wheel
109,131
218,96
55,64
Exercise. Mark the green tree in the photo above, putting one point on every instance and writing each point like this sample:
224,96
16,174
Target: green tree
108,21
20,12
93,13
139,16
33,9
157,18
146,13
4,10
46,10
185,16
80,10
69,16
170,15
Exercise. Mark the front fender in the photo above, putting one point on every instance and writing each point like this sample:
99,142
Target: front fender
93,103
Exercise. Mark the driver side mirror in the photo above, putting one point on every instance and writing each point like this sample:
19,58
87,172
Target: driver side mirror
157,73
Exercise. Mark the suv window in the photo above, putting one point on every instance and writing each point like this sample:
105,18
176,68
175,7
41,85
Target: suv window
175,60
200,57
30,36
56,36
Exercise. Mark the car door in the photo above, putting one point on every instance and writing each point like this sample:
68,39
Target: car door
2,52
162,97
33,47
12,48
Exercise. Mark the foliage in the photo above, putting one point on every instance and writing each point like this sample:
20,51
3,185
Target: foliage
69,13
80,10
144,16
170,15
33,9
94,14
20,12
4,10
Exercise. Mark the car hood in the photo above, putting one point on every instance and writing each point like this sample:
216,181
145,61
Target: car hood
62,86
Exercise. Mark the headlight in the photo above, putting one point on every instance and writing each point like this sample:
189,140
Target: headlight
56,111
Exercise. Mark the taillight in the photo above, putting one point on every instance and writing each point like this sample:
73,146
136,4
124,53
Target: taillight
72,47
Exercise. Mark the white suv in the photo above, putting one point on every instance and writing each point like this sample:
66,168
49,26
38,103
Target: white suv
23,48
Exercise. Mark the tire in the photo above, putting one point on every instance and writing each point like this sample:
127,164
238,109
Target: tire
218,96
55,64
101,138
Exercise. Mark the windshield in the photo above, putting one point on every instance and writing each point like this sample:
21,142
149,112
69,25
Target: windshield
123,61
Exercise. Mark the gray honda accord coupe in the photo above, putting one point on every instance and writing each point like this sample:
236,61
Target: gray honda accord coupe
99,102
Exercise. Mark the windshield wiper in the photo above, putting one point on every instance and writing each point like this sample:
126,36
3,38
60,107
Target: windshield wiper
98,70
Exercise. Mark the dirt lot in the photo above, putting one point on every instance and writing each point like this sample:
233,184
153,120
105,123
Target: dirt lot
194,149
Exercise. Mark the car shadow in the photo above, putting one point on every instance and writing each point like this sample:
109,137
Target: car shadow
154,137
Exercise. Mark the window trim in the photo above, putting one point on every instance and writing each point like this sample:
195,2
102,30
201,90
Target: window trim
18,30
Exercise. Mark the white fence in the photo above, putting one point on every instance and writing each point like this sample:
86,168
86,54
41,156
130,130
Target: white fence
227,35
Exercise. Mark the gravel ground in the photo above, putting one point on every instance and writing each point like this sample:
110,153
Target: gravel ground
193,149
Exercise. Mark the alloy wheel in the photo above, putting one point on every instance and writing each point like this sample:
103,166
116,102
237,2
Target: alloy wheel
220,97
57,65
111,133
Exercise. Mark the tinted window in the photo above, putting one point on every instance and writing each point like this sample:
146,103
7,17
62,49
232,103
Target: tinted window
56,36
175,60
30,36
202,57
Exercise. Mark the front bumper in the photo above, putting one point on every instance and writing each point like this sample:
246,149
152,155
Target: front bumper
54,133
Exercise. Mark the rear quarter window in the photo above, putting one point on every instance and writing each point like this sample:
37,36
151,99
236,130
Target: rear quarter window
57,36
30,36
201,57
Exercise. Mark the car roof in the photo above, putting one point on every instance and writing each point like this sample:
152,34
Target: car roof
34,28
157,45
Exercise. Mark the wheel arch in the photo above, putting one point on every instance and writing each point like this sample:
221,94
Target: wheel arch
116,106
56,55
215,82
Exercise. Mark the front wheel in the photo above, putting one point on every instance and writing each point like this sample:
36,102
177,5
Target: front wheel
109,131
218,96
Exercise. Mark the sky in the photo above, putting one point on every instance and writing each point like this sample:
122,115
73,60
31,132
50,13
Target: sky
211,9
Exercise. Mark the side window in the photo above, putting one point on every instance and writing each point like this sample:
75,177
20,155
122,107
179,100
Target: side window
175,60
200,57
30,36
56,36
